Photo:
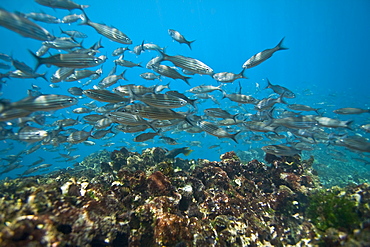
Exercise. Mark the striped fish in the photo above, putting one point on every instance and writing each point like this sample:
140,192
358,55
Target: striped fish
179,37
61,4
189,64
104,95
153,112
162,100
110,32
126,118
23,26
214,130
69,60
44,102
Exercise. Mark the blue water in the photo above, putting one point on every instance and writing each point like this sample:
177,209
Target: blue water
326,65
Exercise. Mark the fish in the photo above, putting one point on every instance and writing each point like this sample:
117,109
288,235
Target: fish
111,33
168,140
78,136
23,26
61,4
214,130
153,112
145,136
280,90
44,102
351,110
300,122
62,43
73,34
188,63
333,123
174,152
127,118
75,91
150,76
263,55
268,103
228,77
280,150
219,113
126,63
167,71
162,100
71,18
69,60
111,79
42,17
179,37
205,89
31,134
182,96
300,107
240,98
119,51
357,143
104,95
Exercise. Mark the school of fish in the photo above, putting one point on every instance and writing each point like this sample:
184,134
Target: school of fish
150,112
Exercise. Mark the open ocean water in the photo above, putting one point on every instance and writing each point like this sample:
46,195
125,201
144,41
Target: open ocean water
326,66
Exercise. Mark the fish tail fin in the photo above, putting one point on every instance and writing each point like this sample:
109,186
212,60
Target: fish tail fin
84,19
123,75
43,76
61,30
189,44
348,124
268,84
242,74
38,60
188,151
186,79
234,135
280,46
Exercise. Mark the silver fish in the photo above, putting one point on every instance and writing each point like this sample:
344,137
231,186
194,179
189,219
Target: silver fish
351,110
179,37
109,32
119,51
23,26
280,90
169,72
44,102
73,33
162,100
111,79
71,18
104,95
281,150
188,63
150,76
204,89
61,4
31,134
153,112
263,55
69,60
241,98
214,130
228,77
42,17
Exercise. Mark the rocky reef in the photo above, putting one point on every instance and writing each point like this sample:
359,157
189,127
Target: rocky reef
124,198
